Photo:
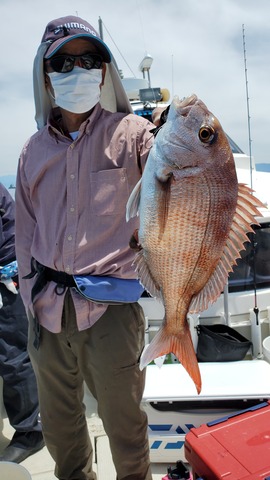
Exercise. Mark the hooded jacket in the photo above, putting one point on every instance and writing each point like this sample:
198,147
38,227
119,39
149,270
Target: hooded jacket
71,196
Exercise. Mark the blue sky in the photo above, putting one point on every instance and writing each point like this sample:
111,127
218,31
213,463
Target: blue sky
197,48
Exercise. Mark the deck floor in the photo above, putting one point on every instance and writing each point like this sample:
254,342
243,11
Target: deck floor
41,466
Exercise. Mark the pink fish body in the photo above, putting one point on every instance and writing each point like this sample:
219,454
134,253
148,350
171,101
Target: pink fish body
194,217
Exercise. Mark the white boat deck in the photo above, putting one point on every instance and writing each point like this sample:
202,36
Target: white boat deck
229,380
41,466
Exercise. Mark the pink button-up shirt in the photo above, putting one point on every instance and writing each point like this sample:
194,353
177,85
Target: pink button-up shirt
70,206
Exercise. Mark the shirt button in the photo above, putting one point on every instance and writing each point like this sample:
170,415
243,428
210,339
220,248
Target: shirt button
67,269
72,176
69,238
72,209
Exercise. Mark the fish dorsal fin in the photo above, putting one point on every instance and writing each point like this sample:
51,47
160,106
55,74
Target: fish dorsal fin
145,275
133,202
246,209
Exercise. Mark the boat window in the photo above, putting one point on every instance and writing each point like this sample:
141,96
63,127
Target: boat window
150,95
253,268
234,147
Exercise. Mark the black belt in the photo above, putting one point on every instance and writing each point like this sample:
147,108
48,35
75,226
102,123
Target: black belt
44,275
61,278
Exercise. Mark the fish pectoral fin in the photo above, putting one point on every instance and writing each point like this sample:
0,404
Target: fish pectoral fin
133,203
164,201
180,345
145,275
244,217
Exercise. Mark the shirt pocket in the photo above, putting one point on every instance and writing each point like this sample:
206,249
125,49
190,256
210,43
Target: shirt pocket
109,192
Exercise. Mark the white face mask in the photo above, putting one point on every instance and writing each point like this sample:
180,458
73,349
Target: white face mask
77,91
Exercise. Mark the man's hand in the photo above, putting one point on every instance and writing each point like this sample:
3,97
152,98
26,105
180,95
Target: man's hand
156,114
159,115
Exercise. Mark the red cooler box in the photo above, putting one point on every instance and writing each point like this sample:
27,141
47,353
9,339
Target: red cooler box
235,447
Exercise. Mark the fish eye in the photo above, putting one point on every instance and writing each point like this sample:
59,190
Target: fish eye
206,134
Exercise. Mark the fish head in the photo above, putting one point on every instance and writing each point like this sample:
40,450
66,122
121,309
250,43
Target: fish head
192,139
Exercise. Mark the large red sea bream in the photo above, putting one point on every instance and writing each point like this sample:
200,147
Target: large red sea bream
194,217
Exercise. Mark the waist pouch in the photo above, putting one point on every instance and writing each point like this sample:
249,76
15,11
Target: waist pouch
96,288
112,290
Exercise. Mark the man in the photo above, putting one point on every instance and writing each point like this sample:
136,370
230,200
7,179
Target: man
74,178
19,384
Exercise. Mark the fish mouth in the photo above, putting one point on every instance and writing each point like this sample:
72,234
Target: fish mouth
188,101
184,105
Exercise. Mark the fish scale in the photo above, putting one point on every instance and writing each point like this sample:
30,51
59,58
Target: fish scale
183,213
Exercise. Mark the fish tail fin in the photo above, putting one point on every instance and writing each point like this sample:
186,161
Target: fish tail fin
185,353
180,345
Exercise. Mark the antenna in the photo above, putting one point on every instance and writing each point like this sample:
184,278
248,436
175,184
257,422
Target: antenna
246,77
172,77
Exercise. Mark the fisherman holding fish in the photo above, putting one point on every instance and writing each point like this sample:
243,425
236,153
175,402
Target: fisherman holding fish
78,285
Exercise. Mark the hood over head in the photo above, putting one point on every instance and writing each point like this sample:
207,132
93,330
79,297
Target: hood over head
113,96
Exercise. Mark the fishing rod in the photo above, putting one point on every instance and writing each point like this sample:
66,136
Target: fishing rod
247,98
255,322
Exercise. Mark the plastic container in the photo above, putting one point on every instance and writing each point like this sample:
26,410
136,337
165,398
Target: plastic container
232,447
13,471
173,406
266,349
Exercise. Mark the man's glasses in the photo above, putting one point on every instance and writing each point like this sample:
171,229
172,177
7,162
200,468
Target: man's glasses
65,63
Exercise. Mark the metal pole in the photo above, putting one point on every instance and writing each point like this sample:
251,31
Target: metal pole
226,304
100,27
148,75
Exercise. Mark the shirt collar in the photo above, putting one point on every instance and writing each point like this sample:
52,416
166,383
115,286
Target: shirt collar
53,124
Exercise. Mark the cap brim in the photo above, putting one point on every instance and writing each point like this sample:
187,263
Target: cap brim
101,46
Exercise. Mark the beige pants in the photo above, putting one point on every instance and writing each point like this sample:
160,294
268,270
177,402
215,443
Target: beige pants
105,356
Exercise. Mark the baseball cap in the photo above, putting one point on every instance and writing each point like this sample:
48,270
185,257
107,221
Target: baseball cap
64,29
